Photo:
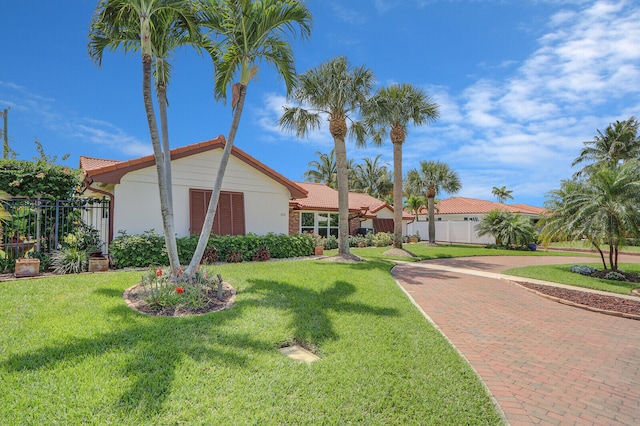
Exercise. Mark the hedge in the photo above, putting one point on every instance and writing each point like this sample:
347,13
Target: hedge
149,248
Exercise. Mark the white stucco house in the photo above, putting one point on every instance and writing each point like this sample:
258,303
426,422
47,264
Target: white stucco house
254,198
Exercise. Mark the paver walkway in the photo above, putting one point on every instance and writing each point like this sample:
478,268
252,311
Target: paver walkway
544,362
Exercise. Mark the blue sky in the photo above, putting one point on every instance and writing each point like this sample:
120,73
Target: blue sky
521,85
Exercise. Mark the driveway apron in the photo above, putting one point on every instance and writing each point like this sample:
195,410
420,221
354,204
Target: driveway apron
543,362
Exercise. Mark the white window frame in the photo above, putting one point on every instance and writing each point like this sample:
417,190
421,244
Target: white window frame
322,223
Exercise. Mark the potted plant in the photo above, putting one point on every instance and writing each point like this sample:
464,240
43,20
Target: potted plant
27,267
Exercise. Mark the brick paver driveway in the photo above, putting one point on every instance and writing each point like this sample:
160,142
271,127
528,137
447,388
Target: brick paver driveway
544,362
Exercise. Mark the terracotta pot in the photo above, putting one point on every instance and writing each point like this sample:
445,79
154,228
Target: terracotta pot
27,267
98,264
318,251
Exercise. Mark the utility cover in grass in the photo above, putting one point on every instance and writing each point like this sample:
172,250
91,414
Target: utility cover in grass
298,353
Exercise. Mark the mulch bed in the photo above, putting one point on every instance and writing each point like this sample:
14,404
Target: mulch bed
134,296
591,300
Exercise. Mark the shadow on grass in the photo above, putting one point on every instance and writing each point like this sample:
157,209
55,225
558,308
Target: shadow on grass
154,347
149,350
310,309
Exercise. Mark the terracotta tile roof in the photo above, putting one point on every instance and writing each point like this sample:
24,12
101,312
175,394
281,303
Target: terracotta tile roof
111,171
92,163
322,197
462,205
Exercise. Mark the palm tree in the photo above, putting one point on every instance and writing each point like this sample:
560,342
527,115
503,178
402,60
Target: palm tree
323,170
391,110
372,178
507,228
414,203
619,143
432,178
502,193
153,27
605,208
246,32
334,90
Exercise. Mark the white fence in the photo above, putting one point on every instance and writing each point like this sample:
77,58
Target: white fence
451,231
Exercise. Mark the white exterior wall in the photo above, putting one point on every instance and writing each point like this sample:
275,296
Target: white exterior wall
452,231
137,201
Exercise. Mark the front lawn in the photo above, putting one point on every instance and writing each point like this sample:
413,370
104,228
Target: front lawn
445,250
72,352
561,274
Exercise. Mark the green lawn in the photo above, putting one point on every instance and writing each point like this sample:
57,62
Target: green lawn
582,246
561,274
72,352
424,252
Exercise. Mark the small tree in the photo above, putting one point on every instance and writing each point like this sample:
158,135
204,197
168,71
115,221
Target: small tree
509,229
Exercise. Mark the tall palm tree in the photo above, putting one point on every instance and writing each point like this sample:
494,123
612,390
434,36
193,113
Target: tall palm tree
618,143
333,90
432,178
323,170
502,193
153,27
391,110
373,178
246,32
605,208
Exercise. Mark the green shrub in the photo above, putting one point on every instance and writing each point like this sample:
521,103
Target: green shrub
330,243
69,260
615,276
138,250
382,239
149,248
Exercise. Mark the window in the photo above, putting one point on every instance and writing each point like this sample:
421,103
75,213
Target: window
229,219
319,223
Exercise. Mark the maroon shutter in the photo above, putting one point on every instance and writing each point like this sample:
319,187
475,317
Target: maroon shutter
198,202
383,225
237,216
229,219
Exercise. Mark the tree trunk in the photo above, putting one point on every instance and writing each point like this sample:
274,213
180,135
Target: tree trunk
397,195
217,186
161,92
343,195
166,211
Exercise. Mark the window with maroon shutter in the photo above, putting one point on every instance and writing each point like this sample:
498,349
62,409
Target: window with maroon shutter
229,219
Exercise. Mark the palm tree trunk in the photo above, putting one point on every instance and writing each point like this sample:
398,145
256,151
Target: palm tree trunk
343,194
161,92
166,212
217,186
432,218
397,195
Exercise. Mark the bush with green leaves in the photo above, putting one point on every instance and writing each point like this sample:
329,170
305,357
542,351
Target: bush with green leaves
32,179
382,239
149,248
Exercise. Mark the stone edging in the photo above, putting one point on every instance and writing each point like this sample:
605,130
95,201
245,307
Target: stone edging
578,305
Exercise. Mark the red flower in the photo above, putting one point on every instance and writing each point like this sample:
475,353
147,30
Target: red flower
206,276
158,272
180,290
179,271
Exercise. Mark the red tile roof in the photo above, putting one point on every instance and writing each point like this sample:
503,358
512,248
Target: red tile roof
111,171
462,205
322,197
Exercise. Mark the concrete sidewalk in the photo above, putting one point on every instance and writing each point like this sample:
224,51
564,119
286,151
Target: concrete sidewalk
543,362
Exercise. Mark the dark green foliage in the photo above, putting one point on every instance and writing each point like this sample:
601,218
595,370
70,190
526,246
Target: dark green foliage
149,248
31,179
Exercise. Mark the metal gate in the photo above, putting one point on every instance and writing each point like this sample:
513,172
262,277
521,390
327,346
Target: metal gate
42,225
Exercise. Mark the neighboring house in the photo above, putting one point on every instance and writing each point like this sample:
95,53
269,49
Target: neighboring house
461,208
318,212
254,197
457,217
